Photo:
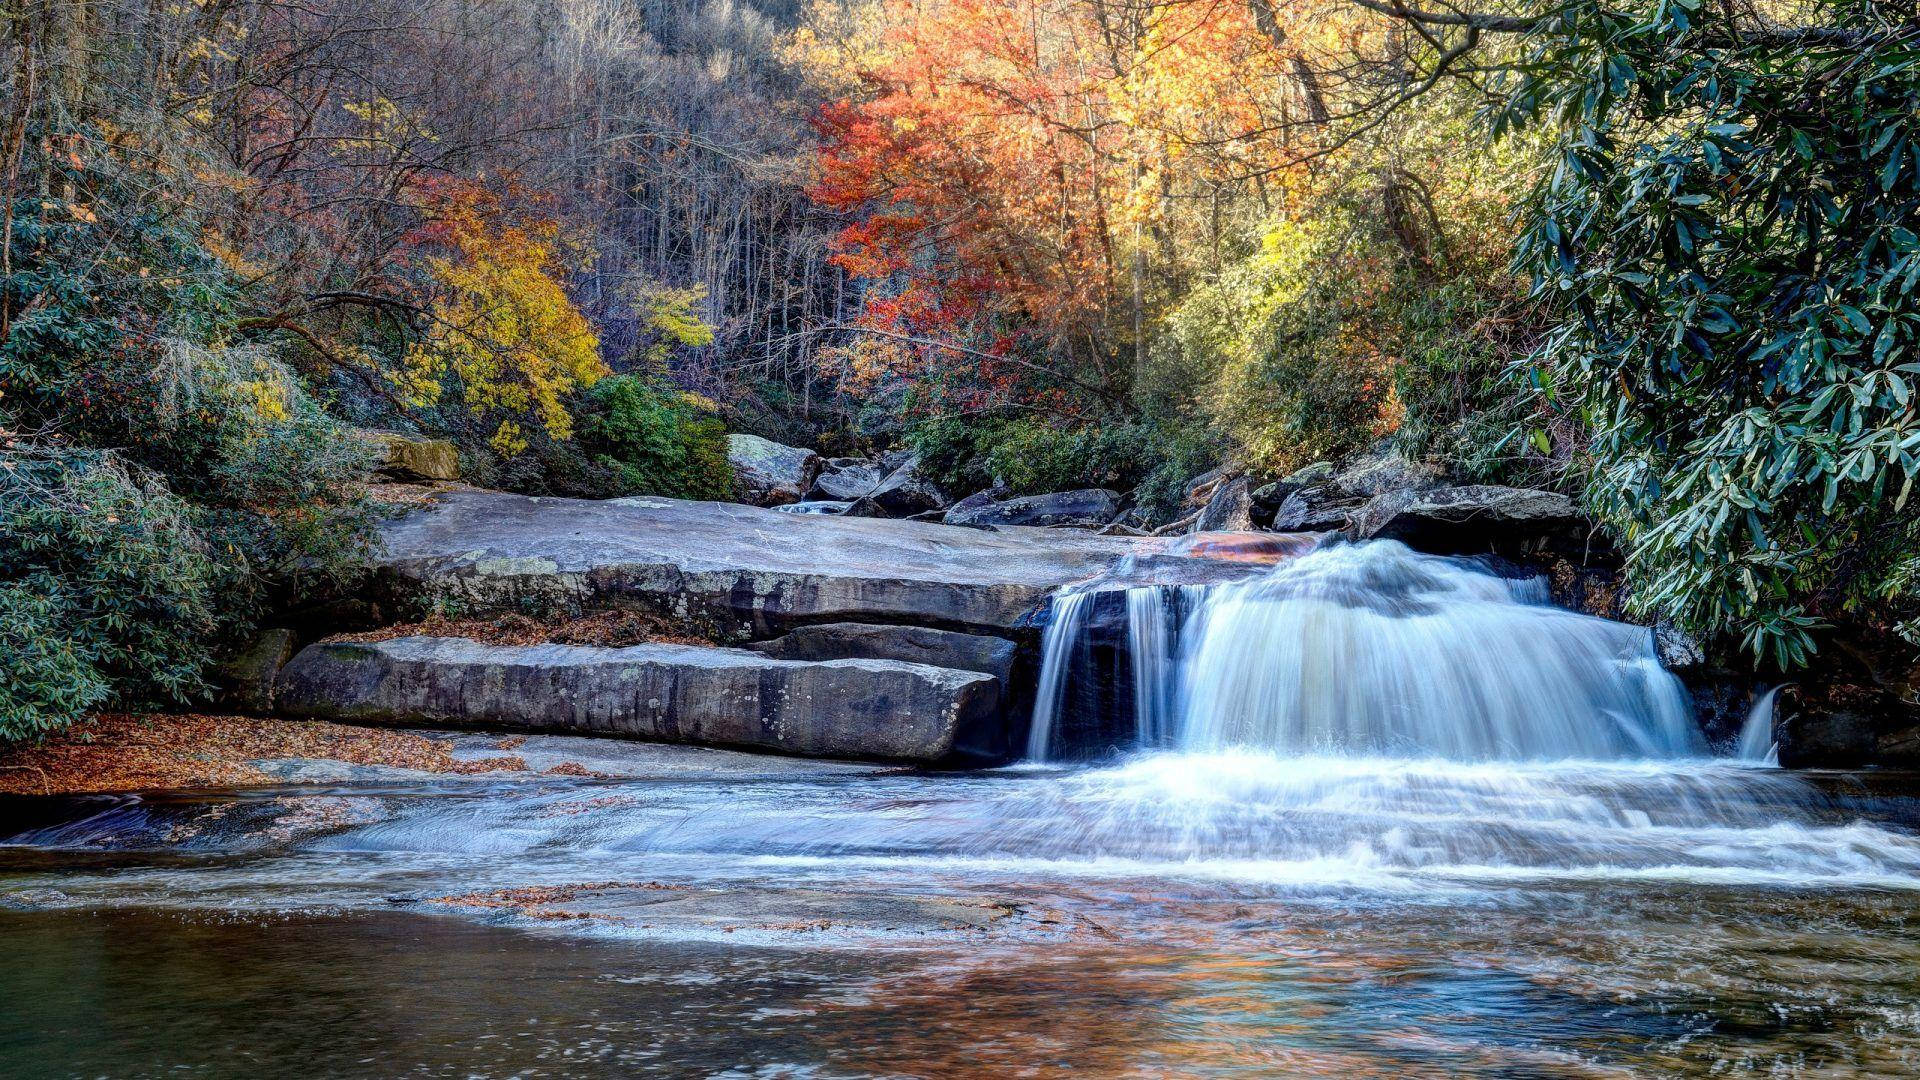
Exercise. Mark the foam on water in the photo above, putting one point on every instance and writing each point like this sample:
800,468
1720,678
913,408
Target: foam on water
1364,713
1374,649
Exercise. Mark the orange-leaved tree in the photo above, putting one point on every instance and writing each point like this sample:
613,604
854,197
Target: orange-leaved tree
1039,178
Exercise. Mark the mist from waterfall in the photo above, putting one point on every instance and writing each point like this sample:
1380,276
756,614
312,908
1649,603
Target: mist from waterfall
1373,649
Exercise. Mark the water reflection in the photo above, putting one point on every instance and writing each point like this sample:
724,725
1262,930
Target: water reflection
1170,915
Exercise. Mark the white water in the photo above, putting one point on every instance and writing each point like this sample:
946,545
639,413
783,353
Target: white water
1364,715
1373,649
1057,644
1756,735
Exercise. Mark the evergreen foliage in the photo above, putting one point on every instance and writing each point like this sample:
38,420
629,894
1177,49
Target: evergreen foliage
1732,229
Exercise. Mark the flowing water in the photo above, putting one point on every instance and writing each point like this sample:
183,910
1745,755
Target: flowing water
1388,816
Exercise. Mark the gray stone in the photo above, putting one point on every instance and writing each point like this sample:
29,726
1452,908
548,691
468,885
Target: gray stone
980,499
909,644
1230,509
903,493
845,482
1381,472
1307,511
246,679
414,460
1314,475
1470,519
741,572
1677,649
766,473
875,709
1086,508
1268,498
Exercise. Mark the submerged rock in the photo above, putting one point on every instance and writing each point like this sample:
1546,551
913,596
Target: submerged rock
766,473
878,709
1086,508
828,507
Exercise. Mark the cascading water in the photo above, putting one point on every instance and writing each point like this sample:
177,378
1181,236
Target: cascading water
1057,644
1375,650
1367,714
1756,735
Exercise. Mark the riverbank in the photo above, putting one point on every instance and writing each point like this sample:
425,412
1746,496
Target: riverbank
125,753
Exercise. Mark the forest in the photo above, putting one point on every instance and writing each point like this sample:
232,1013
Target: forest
1660,255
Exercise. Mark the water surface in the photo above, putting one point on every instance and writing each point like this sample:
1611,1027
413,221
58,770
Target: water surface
1231,914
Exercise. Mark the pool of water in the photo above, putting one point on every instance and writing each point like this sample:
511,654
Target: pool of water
1168,915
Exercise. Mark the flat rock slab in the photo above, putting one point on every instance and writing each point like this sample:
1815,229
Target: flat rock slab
743,572
913,644
874,709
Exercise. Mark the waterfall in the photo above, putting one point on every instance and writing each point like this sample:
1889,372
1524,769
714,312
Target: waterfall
1375,650
1057,643
1756,735
1149,644
1154,614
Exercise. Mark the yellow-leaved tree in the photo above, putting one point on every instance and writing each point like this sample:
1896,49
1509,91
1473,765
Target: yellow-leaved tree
501,332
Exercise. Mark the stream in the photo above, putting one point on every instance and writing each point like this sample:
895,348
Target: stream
1382,816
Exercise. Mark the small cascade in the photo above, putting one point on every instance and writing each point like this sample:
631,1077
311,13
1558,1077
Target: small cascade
1757,743
1057,644
1150,640
1155,614
1374,649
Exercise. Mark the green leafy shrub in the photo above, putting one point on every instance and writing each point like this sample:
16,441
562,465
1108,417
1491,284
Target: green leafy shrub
655,440
108,590
1731,234
191,480
1031,456
953,450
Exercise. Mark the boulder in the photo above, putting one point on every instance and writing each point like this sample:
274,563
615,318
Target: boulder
874,709
977,501
844,481
1379,473
1306,511
1230,509
414,460
1087,507
246,679
1845,726
1469,520
766,473
910,644
1307,476
1267,499
740,572
903,493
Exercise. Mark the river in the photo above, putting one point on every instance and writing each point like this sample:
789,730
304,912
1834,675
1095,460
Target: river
1453,874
